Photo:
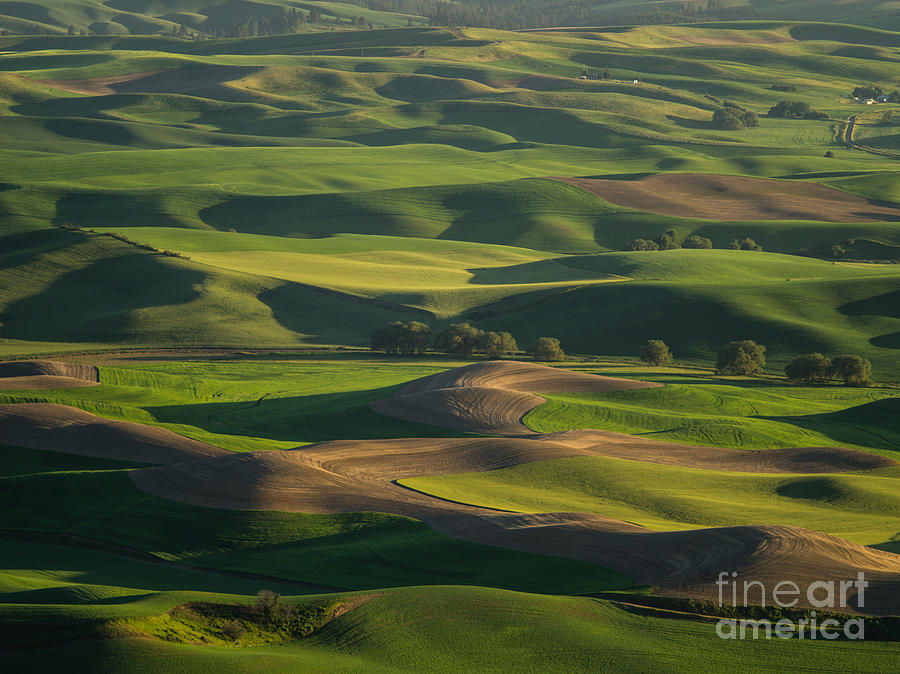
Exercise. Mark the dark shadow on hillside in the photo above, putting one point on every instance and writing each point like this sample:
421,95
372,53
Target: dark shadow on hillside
23,247
87,106
891,341
108,208
183,79
875,424
94,304
332,317
50,61
615,318
312,418
97,131
887,304
688,123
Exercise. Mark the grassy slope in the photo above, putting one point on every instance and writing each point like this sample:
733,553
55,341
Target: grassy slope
438,629
861,508
742,414
413,628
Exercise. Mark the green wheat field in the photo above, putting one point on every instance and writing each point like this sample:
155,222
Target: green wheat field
218,203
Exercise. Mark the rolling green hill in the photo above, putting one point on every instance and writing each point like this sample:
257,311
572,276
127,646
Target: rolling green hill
94,569
196,196
319,185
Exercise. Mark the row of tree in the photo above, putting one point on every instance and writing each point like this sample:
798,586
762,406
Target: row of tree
814,368
746,357
460,339
669,241
743,357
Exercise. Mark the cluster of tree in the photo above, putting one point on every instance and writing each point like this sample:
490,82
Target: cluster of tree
459,339
515,14
463,339
402,339
595,74
744,244
746,357
871,91
795,110
669,241
783,87
733,116
814,368
278,21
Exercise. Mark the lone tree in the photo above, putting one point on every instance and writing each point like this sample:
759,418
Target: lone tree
655,352
546,348
854,370
694,241
497,344
810,368
460,339
267,602
744,357
401,338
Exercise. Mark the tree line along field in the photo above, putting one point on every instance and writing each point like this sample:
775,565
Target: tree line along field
213,18
306,189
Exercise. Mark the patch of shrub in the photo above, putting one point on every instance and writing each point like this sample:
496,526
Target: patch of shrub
695,241
643,244
744,244
233,629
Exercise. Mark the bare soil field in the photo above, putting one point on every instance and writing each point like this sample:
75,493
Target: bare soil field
60,428
687,563
491,397
721,197
46,374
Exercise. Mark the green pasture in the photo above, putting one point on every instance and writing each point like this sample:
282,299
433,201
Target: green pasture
860,508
